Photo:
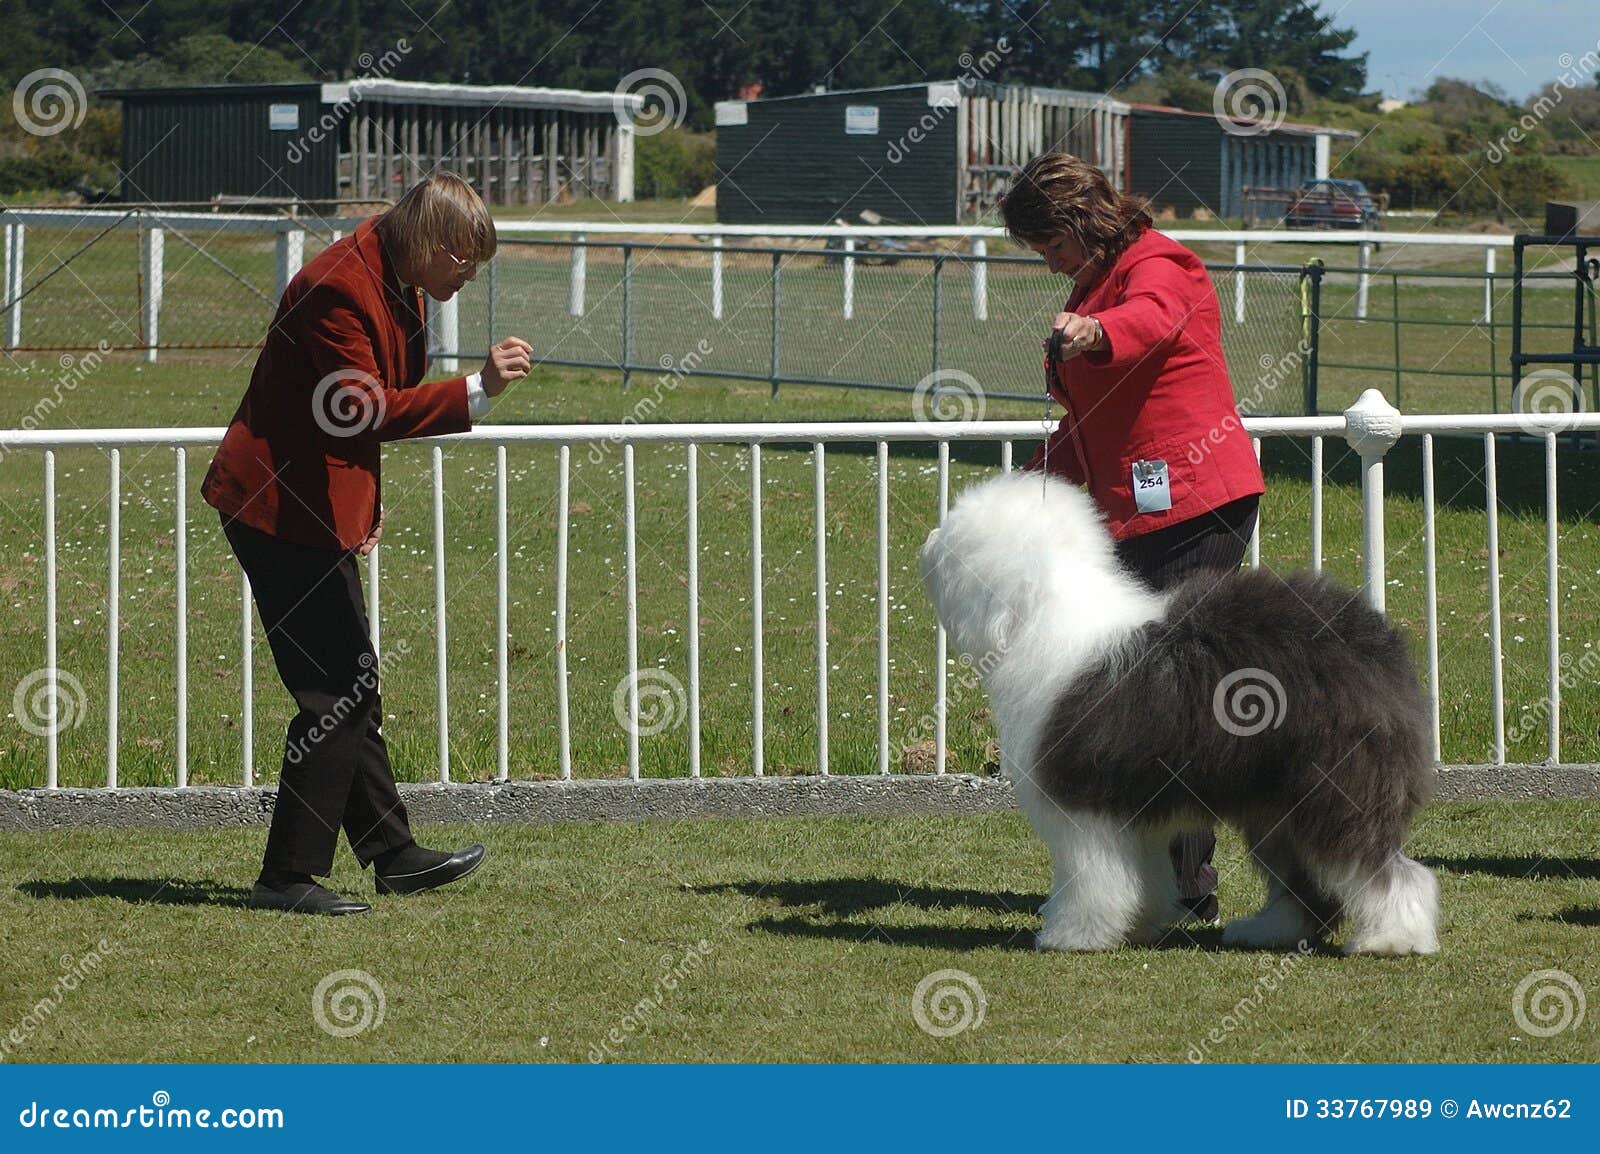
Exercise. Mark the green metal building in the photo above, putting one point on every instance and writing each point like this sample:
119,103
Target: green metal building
934,153
371,139
943,153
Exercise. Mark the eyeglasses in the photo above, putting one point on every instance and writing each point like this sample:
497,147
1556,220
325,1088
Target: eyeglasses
459,263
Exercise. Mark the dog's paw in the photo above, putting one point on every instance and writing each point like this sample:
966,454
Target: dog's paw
1073,942
1393,945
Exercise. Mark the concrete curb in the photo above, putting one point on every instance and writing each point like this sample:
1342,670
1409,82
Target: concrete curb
220,807
213,807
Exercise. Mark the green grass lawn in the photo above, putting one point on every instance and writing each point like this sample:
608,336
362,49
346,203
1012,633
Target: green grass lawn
808,938
219,289
176,392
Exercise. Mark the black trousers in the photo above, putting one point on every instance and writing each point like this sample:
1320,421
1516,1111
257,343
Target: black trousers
1214,542
335,765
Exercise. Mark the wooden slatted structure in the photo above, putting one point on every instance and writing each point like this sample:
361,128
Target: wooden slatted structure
516,145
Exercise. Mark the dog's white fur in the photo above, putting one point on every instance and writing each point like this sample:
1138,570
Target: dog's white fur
1025,579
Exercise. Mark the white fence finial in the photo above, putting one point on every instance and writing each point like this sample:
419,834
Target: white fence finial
1372,426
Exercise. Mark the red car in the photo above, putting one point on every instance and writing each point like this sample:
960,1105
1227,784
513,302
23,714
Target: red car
1332,204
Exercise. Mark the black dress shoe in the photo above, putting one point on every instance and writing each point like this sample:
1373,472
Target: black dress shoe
303,898
410,881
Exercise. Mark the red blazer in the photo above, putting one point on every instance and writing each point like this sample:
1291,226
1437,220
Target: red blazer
340,374
1159,392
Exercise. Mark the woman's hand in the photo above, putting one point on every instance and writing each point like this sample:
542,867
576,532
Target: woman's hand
508,361
1079,334
373,538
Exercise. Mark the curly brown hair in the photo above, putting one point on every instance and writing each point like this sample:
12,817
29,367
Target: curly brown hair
1058,193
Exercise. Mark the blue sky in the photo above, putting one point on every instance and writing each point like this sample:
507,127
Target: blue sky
1518,44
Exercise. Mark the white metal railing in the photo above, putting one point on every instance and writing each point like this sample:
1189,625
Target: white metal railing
1371,427
290,239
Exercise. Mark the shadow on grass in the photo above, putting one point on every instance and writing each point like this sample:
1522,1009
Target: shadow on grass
837,899
1578,916
1531,868
138,891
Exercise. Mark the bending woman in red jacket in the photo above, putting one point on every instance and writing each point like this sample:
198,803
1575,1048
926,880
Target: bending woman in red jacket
296,481
1150,427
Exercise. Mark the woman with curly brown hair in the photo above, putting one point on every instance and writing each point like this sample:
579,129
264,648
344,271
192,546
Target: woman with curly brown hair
1135,358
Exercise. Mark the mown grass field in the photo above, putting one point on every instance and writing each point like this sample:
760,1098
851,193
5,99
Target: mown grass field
124,392
792,940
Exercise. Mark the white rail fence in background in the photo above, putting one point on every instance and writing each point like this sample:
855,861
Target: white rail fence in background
1371,427
291,234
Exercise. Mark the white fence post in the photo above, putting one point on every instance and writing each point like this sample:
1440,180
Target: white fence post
980,279
1488,285
1372,426
444,332
153,256
15,235
716,278
849,277
1238,283
291,254
1361,281
580,269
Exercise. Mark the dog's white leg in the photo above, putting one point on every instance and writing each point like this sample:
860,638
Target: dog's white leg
1160,911
1095,894
1393,911
1284,919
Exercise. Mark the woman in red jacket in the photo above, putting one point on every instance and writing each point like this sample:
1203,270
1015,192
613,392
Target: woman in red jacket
1135,358
296,481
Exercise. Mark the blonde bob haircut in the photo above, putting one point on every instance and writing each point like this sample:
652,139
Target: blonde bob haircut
441,211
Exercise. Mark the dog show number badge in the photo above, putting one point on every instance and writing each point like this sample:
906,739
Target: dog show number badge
1150,489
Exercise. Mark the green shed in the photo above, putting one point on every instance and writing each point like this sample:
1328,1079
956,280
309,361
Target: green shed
933,154
372,138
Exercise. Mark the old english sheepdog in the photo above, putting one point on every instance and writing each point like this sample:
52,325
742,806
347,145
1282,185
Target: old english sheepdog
1285,706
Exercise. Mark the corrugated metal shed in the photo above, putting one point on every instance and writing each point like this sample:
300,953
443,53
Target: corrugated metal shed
190,144
374,138
1190,161
932,153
